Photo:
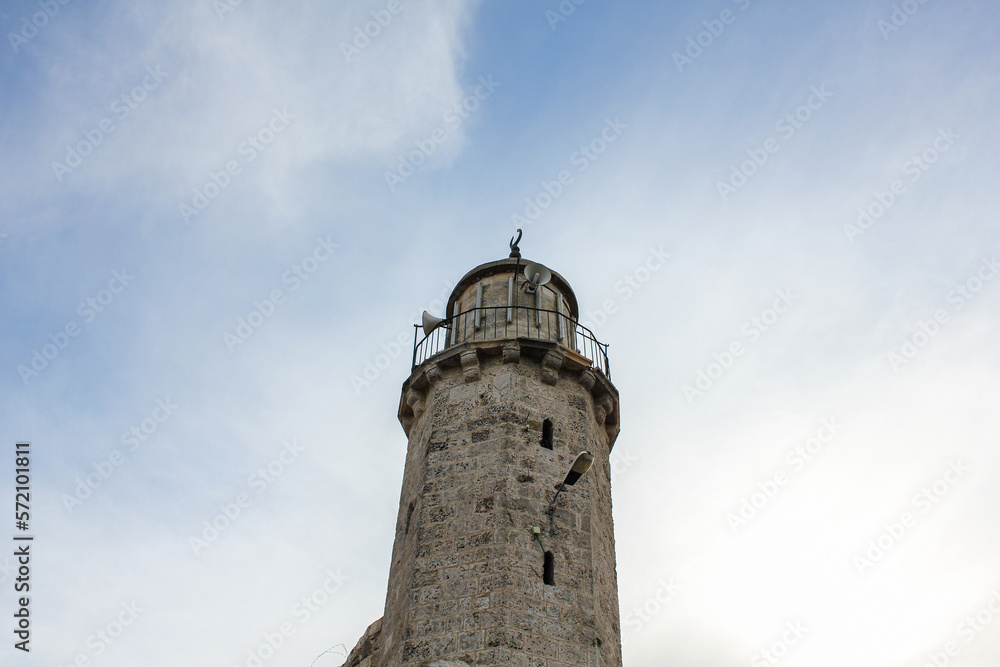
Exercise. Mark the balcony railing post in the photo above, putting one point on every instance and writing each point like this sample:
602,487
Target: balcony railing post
414,363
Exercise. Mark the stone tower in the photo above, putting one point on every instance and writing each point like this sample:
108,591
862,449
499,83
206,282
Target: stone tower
501,399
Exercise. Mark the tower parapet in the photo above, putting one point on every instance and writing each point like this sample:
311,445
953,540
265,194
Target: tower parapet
493,303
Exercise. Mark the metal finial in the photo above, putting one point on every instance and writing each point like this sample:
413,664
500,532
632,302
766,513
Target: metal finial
514,250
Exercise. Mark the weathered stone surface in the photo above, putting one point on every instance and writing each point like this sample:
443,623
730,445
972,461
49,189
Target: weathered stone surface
415,401
361,654
603,408
551,363
466,577
511,353
470,364
466,580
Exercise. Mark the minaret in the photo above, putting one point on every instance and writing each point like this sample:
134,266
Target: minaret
503,397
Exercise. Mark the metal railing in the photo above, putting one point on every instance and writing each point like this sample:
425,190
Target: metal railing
499,322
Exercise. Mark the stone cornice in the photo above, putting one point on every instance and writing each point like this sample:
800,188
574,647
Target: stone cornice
555,363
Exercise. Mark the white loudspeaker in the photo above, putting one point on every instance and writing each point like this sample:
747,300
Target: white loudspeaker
537,274
430,323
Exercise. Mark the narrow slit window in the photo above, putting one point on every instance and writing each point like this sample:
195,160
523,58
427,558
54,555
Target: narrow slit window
547,434
549,570
409,515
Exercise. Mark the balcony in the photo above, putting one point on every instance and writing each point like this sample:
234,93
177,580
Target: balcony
512,322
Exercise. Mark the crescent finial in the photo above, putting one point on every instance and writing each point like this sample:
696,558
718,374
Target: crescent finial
514,250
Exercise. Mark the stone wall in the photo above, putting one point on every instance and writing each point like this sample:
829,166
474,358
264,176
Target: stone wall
363,653
466,579
488,286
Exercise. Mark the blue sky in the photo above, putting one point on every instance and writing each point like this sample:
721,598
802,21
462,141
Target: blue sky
821,176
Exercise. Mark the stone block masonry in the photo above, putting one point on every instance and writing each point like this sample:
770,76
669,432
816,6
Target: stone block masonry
477,578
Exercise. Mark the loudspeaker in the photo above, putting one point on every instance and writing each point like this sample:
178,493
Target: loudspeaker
537,274
430,323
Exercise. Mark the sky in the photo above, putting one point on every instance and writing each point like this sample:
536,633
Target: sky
221,219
